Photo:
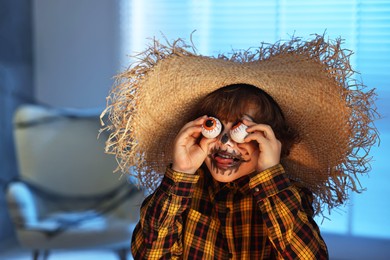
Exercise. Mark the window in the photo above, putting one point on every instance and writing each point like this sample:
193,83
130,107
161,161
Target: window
229,24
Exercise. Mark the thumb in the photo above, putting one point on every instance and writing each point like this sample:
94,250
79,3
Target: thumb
205,143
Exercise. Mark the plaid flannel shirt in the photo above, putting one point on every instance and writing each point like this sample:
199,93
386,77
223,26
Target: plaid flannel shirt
260,216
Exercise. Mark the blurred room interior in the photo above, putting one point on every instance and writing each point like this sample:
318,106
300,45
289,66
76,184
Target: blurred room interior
63,54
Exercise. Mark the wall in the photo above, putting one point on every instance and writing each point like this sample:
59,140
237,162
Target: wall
62,53
76,51
16,87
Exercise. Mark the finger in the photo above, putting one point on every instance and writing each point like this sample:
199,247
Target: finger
248,122
258,137
205,142
189,135
266,146
197,122
265,129
200,120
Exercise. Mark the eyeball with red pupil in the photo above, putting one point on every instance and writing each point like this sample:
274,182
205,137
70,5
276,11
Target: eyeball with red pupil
211,128
238,133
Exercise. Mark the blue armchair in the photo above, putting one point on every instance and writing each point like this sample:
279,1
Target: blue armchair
67,196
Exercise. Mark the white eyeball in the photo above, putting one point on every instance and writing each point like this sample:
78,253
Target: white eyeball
211,128
238,133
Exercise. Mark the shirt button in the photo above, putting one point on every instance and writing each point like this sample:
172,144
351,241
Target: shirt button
257,189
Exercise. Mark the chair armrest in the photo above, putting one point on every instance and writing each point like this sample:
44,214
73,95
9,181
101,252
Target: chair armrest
21,204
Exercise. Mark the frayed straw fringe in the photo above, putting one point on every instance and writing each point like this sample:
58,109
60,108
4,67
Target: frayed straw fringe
122,105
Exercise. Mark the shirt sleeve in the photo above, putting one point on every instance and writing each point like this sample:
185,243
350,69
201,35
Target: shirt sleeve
288,214
158,233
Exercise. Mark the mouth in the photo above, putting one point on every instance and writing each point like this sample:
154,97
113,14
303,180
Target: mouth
224,161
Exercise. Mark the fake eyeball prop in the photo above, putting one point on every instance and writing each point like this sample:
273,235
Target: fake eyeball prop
238,133
211,128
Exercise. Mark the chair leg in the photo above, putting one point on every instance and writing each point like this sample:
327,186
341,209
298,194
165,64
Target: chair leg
122,253
37,253
45,254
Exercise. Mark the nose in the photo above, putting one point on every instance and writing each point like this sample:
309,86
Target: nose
225,139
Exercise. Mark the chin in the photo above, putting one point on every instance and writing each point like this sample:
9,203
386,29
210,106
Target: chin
225,178
228,174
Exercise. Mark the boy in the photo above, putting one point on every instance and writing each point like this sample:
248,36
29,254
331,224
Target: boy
221,199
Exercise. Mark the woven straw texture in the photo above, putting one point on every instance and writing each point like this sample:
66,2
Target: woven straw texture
312,82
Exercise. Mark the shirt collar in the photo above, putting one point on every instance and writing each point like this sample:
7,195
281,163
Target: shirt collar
240,185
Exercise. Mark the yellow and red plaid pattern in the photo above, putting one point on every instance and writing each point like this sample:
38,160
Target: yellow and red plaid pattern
261,216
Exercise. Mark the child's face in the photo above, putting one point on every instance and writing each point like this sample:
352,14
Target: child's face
228,160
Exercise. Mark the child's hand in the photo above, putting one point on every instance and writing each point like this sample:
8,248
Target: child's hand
269,147
188,155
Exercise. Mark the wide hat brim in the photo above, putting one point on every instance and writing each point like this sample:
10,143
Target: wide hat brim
311,81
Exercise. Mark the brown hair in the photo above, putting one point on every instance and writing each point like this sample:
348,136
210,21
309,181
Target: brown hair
229,104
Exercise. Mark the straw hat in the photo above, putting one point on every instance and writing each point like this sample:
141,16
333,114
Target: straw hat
312,82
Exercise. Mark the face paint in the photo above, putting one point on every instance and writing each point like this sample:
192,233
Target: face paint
224,138
224,162
228,161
